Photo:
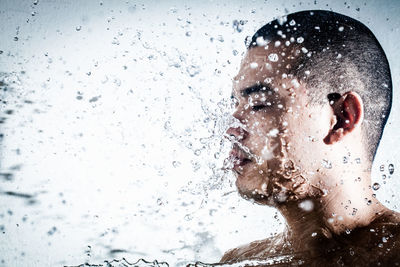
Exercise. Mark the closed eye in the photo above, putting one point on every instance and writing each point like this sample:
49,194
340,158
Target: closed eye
259,107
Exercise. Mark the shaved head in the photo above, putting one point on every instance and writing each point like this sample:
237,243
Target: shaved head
333,54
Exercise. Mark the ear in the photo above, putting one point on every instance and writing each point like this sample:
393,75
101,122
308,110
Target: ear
348,113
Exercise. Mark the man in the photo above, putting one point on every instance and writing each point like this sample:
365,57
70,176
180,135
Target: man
312,98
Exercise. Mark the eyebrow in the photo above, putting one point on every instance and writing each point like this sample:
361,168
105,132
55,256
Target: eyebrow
255,89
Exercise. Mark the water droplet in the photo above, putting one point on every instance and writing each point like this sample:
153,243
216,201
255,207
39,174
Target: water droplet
36,2
192,70
94,99
52,230
273,57
282,20
292,22
384,239
382,168
273,133
295,83
341,28
115,41
237,25
327,164
117,82
78,28
281,197
104,80
188,34
314,234
268,80
348,231
253,65
260,41
188,217
176,164
197,152
212,211
264,187
354,212
15,38
188,144
376,186
300,40
306,205
391,168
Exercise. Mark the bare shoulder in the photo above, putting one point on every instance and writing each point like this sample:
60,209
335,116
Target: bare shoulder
388,223
377,243
255,250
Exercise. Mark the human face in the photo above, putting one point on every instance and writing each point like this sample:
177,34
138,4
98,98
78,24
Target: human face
276,130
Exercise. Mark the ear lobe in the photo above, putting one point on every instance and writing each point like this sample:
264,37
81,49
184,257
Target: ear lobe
348,114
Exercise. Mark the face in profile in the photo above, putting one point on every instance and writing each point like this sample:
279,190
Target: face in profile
278,143
301,143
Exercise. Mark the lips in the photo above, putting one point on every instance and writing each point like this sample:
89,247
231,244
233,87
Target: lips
239,158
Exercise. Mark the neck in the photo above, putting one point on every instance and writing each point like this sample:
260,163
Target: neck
346,206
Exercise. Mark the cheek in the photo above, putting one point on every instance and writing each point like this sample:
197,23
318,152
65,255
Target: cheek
263,122
271,148
301,140
264,134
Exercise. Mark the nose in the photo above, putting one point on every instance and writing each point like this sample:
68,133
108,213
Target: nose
237,132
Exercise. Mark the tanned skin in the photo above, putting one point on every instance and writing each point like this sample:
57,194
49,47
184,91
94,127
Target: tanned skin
288,153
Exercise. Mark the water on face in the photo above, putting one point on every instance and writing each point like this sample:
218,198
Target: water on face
112,132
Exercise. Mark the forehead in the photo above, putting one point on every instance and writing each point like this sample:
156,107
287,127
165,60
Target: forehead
265,65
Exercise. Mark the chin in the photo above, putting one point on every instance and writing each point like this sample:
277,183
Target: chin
262,190
250,187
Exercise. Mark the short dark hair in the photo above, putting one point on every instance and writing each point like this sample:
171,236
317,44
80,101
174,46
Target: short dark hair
336,54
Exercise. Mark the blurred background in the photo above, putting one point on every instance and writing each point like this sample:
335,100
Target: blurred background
111,127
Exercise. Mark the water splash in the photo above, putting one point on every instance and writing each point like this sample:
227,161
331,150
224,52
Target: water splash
272,261
124,263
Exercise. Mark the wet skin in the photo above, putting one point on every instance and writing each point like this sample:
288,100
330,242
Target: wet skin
278,128
288,153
